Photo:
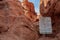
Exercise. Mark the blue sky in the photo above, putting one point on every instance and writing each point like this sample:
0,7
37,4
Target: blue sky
36,4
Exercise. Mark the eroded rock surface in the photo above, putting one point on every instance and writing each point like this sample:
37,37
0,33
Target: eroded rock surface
52,9
19,28
14,25
29,10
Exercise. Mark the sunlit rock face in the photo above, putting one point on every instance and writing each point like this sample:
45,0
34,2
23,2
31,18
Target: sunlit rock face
52,9
29,10
19,28
8,8
45,2
44,7
14,25
11,7
51,6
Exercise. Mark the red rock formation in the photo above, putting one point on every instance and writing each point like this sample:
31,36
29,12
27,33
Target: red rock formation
14,25
19,28
29,10
8,8
11,7
52,9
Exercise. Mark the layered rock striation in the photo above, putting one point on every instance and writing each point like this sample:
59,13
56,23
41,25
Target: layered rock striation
14,24
52,9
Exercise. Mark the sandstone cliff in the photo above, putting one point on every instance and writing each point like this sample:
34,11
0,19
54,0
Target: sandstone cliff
17,28
14,25
52,9
29,10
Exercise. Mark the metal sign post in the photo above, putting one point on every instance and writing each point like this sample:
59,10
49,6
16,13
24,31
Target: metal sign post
45,26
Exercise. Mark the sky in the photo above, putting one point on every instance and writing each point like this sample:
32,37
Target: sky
36,4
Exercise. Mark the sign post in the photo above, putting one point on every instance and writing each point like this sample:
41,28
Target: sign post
45,26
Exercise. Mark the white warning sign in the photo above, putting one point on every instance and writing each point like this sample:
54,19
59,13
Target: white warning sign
45,26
